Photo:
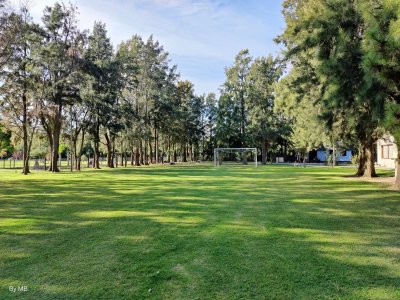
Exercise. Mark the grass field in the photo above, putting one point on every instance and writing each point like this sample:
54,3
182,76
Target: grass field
195,232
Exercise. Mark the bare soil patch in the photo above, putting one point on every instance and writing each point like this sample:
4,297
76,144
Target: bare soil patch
387,182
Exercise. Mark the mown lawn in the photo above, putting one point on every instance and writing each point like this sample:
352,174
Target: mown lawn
195,232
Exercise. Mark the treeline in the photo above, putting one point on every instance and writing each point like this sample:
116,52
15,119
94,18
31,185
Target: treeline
69,88
340,89
336,85
246,115
344,74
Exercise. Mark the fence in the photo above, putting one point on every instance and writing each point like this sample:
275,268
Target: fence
43,164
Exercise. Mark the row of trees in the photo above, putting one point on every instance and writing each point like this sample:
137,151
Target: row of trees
245,114
64,85
61,83
336,83
344,72
341,86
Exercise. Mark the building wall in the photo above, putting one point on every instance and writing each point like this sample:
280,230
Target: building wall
347,157
386,152
321,155
343,158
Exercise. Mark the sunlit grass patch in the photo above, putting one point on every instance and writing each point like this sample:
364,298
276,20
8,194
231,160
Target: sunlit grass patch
196,232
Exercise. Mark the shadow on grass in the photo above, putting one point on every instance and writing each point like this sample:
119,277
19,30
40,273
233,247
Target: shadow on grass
196,232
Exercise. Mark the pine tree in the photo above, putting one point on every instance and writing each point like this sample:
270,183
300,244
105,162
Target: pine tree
333,35
382,59
236,88
59,61
264,122
19,89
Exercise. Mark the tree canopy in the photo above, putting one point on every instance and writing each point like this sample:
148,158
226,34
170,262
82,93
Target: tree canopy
335,84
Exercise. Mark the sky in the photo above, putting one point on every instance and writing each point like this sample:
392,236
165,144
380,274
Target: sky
201,36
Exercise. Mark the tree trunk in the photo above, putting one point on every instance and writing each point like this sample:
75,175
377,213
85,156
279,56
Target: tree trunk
369,159
132,157
123,154
264,152
243,118
285,151
30,143
151,153
141,154
244,158
184,159
56,139
137,157
397,172
49,134
156,145
109,151
75,151
146,157
161,159
79,155
96,156
361,163
114,154
175,154
25,169
169,149
333,155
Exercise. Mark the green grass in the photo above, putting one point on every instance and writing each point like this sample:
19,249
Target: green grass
195,232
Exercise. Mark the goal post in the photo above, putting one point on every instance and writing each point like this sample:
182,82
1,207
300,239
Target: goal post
234,156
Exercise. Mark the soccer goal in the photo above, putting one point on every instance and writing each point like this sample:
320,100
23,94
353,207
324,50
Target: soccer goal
235,156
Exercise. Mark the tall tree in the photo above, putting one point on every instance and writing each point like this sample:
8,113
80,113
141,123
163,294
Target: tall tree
100,57
297,97
236,87
19,87
264,122
190,119
334,34
59,61
210,114
381,59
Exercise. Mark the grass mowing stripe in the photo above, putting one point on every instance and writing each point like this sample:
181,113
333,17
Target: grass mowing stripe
196,232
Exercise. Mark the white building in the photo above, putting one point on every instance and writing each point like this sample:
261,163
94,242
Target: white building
386,152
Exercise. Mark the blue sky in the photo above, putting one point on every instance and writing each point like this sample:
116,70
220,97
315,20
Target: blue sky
202,36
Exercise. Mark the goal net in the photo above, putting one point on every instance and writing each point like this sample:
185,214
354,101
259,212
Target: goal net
235,156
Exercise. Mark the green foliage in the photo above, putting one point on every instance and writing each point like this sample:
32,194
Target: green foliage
299,101
382,56
62,148
8,31
6,148
234,102
40,151
332,36
209,119
355,159
263,75
246,113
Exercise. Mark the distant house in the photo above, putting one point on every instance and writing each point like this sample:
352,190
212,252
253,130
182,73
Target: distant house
386,152
322,154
